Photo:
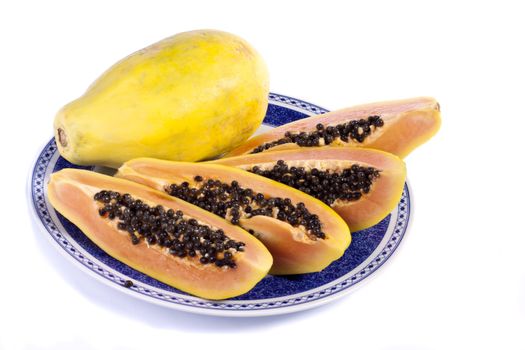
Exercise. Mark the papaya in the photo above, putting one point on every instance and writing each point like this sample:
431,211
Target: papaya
166,238
302,233
362,185
191,96
397,127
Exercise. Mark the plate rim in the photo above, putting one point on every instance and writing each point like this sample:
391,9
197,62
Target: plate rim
281,309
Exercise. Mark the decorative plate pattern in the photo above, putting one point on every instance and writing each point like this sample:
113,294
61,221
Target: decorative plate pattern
369,249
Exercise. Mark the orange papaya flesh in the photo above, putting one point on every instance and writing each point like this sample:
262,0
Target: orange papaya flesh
371,207
397,127
295,248
72,191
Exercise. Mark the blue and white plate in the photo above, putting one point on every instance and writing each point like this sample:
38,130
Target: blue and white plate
367,253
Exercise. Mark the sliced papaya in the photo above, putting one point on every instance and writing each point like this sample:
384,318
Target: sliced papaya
362,185
397,127
302,233
161,236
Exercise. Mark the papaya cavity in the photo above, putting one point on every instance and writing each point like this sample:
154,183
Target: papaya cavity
348,183
353,131
169,229
231,201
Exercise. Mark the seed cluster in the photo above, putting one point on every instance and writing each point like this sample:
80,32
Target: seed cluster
168,228
233,201
357,130
349,184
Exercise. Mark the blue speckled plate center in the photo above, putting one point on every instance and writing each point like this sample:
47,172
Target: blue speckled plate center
369,249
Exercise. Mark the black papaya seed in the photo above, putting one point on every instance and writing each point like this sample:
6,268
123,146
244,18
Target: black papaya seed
356,130
165,228
346,184
231,201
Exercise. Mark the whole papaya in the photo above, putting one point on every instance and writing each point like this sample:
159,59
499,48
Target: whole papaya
189,97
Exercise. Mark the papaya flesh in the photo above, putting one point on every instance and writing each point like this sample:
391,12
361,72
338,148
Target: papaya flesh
72,193
283,218
385,187
191,96
397,127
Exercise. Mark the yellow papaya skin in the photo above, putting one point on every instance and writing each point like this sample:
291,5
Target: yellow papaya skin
407,124
372,207
189,97
71,192
292,251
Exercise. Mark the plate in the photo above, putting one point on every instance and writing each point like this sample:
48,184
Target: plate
367,253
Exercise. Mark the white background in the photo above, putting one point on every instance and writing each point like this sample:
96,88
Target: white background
458,281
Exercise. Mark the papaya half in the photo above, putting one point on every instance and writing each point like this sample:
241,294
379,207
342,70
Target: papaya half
191,96
397,127
362,185
166,238
302,233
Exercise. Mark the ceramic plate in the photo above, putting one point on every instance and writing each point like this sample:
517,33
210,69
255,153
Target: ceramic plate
367,253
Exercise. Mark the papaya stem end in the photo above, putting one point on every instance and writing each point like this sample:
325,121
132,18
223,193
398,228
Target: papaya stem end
62,138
